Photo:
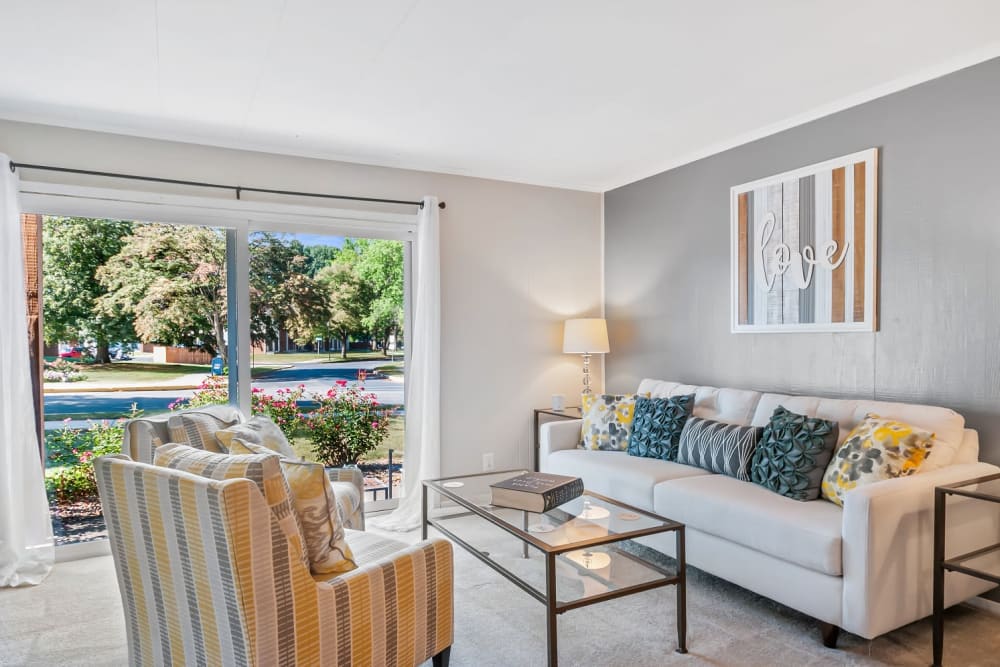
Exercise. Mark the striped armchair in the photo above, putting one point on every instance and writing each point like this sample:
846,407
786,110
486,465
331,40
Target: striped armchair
207,577
144,434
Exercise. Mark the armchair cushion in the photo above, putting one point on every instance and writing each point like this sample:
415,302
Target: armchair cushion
259,430
197,429
262,469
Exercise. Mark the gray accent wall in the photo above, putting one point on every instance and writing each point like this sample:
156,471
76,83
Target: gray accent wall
667,244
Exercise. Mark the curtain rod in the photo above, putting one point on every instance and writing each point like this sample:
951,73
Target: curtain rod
238,189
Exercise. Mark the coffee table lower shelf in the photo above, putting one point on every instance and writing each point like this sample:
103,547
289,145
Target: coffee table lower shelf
548,596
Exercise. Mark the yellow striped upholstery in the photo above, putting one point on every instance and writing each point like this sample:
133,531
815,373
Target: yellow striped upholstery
203,582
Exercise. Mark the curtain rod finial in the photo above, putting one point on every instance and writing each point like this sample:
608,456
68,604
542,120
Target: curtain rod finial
441,205
13,166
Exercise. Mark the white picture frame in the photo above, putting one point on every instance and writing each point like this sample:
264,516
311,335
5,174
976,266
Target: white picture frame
804,249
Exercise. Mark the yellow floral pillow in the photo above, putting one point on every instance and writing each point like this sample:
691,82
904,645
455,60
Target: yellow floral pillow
607,421
316,507
877,449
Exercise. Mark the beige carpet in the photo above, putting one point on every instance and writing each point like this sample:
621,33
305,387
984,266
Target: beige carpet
75,618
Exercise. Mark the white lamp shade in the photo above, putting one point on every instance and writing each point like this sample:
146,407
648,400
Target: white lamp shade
586,336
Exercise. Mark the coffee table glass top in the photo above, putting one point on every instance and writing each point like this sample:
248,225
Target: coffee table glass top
588,538
590,519
984,488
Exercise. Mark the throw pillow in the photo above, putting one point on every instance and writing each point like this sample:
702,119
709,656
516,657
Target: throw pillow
793,454
607,419
259,430
315,504
197,429
875,450
719,447
657,424
263,469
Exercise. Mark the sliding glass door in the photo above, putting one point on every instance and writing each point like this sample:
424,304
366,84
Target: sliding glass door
141,318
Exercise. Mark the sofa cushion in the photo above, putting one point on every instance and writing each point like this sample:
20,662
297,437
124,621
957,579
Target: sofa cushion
735,406
657,426
197,429
259,430
793,454
804,533
629,479
947,425
719,447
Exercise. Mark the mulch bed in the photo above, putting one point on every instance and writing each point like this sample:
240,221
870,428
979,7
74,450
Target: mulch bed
78,522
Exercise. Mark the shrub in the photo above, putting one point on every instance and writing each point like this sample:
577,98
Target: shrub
71,452
347,424
62,370
213,390
282,407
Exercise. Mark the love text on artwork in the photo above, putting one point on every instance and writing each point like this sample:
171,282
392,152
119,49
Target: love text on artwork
798,264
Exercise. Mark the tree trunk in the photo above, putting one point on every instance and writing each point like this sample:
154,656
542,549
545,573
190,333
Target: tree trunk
343,352
102,355
220,339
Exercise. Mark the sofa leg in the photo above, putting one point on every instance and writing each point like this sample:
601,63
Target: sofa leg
830,634
442,658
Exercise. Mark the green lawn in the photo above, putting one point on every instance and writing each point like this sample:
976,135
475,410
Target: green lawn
301,444
126,373
392,370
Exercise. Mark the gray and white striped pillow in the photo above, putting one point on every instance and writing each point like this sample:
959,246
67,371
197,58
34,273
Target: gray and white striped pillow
719,447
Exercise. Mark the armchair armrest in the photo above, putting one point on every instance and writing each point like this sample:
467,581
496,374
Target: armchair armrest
349,490
888,547
406,595
556,435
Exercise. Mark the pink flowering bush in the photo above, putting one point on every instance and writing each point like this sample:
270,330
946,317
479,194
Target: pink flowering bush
347,424
282,407
69,469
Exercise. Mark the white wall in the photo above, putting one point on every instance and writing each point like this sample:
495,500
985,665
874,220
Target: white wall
516,261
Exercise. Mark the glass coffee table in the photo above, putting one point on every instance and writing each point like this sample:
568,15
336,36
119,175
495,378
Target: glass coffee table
578,554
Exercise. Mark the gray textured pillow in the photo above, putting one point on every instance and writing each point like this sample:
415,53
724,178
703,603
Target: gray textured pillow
719,447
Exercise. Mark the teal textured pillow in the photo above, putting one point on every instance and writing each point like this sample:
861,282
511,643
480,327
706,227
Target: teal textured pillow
793,454
657,426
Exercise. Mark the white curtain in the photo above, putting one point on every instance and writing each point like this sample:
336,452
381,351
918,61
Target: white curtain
26,551
422,449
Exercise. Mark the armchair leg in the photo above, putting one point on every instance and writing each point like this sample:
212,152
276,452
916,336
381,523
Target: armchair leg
442,658
830,633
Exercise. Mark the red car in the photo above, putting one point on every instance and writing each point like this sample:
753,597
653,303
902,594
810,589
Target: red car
73,353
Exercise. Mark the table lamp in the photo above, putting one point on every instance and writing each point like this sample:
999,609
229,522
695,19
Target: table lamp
586,336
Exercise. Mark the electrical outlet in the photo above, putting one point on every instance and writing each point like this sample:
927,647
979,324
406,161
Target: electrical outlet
488,464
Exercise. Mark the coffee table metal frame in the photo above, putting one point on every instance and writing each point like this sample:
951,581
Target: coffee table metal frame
552,605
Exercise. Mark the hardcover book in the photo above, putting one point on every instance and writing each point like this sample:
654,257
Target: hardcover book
536,491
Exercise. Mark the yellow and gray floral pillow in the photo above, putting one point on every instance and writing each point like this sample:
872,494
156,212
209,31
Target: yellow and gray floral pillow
877,449
607,421
316,507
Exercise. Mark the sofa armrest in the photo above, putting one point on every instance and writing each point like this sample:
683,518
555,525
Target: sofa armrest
407,595
556,435
888,547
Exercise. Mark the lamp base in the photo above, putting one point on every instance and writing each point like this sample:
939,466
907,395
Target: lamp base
586,375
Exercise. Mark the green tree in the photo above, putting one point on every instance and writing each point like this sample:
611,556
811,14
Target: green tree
319,256
172,281
304,308
73,250
349,297
380,267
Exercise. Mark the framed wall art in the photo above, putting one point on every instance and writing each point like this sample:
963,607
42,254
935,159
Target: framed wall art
804,248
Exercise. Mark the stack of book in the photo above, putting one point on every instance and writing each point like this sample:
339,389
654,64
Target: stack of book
536,491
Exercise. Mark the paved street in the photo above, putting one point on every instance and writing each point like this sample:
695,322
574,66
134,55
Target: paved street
316,377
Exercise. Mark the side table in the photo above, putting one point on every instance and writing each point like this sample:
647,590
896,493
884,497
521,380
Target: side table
981,563
574,412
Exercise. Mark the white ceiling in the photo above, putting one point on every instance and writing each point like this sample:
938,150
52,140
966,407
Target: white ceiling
579,93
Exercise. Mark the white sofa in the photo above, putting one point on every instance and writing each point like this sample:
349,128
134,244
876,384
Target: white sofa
866,568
